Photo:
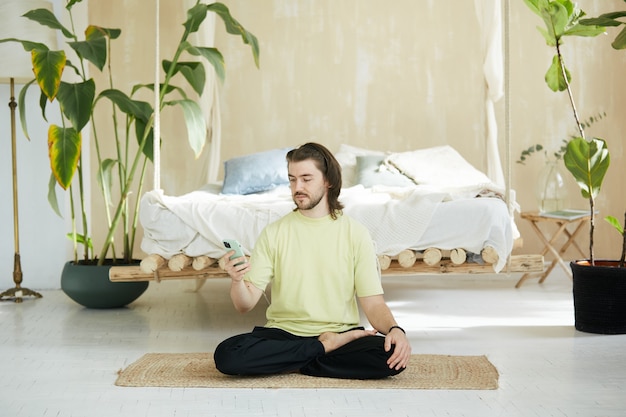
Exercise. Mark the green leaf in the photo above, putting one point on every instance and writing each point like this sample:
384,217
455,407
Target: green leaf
94,51
554,77
588,162
43,102
21,106
48,67
64,151
148,148
52,195
47,18
169,89
582,30
555,17
81,239
137,109
27,45
196,125
195,17
615,223
606,19
105,178
235,28
76,102
213,55
192,71
94,47
95,32
620,40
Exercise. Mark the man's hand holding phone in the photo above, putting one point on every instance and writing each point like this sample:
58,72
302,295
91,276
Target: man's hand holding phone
237,264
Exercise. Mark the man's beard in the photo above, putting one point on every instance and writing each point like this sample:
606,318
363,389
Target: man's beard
309,204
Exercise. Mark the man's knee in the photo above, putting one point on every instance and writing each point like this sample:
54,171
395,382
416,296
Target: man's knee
224,359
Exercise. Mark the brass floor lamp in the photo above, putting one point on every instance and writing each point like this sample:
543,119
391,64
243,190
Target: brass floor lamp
16,293
16,66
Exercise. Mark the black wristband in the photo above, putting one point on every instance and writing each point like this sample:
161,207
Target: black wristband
396,327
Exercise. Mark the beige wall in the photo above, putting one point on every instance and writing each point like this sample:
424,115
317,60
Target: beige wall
398,75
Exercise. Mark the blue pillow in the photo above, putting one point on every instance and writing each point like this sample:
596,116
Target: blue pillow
256,172
371,171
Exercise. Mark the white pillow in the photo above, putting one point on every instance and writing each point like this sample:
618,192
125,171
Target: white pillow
346,156
440,166
256,172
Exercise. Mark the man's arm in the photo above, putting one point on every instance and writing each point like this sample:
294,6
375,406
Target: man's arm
381,318
243,294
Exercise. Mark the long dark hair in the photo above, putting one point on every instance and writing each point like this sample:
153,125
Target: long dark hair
328,165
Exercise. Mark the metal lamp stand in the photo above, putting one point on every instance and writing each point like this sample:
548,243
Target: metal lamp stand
18,291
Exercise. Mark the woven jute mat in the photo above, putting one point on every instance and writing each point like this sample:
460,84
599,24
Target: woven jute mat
188,370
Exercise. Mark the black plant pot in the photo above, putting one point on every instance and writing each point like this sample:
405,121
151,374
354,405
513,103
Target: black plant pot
89,286
599,297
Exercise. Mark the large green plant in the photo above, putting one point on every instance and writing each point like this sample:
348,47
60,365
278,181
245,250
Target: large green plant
586,159
613,19
132,118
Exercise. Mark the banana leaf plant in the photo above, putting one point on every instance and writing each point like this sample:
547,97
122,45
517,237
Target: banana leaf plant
586,159
132,118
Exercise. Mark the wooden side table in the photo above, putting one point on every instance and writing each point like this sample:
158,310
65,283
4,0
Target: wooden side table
550,241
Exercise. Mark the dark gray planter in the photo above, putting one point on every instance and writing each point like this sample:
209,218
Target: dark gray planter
89,286
599,297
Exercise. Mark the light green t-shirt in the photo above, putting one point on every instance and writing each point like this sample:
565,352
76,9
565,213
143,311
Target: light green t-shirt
316,267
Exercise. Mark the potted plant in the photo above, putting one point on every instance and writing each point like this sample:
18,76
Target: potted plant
121,174
599,287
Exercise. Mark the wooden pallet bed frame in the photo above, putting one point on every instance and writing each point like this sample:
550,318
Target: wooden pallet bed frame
156,268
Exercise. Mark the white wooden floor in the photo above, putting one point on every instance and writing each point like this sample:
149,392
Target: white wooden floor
59,359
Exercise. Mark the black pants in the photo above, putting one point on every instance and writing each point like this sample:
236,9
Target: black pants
272,351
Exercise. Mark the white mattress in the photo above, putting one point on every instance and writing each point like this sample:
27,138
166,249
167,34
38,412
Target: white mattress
398,218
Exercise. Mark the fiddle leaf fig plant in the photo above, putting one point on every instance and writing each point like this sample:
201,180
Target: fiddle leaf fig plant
67,83
587,160
612,19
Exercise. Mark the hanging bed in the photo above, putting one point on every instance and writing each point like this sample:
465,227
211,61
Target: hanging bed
427,210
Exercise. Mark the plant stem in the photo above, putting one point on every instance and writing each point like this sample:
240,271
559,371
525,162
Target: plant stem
125,192
621,259
579,125
73,217
592,222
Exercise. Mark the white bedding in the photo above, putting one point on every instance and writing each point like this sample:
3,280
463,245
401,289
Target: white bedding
398,218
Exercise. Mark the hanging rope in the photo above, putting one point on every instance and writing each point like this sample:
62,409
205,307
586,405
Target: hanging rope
507,117
157,108
507,105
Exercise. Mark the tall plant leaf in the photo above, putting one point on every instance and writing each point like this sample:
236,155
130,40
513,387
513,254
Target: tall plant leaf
64,151
588,162
47,18
48,67
135,108
105,178
195,123
140,131
212,55
21,106
193,72
554,77
235,28
52,195
76,101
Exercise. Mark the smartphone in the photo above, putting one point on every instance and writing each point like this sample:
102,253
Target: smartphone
232,244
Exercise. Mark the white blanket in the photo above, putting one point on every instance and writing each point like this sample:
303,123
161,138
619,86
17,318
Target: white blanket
398,218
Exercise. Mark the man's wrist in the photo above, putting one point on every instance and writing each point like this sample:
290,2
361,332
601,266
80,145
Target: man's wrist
396,327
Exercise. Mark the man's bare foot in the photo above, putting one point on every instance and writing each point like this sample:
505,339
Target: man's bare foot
332,341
